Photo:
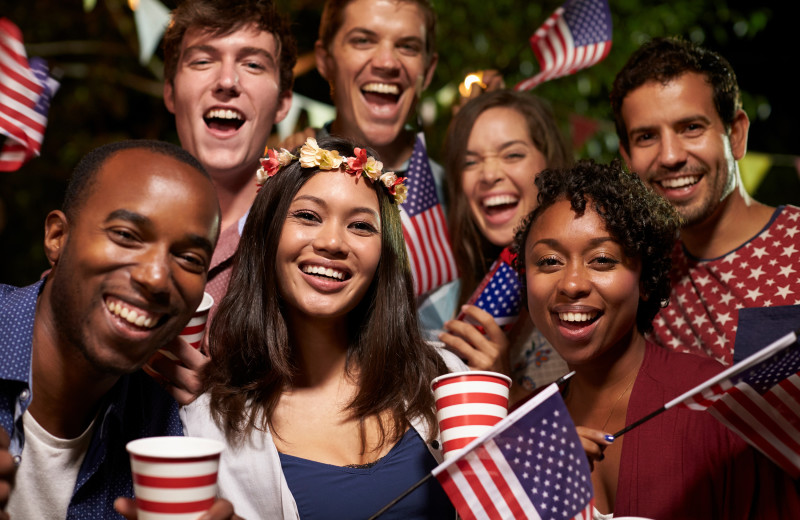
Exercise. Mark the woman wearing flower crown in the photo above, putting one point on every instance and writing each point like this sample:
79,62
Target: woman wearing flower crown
319,378
495,146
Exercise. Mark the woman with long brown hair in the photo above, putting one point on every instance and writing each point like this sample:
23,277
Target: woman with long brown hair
319,378
495,146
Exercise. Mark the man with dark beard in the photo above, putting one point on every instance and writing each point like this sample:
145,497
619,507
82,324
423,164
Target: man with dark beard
681,128
129,253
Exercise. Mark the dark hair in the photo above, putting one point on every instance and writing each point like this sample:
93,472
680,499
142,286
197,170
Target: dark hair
252,359
82,180
665,59
333,18
473,252
644,223
223,17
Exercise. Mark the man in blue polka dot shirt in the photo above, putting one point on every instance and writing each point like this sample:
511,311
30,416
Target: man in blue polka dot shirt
129,252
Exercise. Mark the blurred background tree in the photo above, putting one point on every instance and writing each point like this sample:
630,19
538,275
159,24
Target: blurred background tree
106,94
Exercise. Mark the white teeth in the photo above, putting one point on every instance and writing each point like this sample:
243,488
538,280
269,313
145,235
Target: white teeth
576,316
381,88
221,113
131,316
499,200
330,273
680,182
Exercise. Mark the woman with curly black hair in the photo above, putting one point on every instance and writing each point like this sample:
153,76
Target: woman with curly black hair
595,254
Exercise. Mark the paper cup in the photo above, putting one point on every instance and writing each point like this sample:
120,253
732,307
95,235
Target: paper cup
194,330
174,478
468,404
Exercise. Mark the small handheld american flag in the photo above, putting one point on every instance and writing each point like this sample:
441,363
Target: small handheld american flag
25,92
424,227
499,293
576,36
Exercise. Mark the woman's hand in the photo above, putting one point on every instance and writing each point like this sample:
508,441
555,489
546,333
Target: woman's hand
487,351
178,368
594,443
220,510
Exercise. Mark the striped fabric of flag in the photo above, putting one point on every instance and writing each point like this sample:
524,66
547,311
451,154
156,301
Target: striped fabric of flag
424,226
499,293
759,399
576,36
530,465
25,92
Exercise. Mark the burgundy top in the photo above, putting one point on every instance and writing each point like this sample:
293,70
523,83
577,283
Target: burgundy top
686,464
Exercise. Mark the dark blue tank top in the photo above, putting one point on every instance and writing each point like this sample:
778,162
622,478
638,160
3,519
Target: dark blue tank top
324,491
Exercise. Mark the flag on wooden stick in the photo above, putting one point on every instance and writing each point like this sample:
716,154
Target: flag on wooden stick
758,398
499,293
530,465
25,92
576,36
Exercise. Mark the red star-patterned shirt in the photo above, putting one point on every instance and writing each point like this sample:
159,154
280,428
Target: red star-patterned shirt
703,312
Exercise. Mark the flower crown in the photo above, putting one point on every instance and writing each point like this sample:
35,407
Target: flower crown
312,156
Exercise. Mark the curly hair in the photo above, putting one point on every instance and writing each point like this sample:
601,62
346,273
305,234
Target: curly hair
252,359
224,17
472,251
664,59
644,223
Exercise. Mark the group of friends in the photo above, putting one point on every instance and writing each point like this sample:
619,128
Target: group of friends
317,361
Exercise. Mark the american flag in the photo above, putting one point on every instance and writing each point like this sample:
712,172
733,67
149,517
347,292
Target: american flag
575,37
25,92
499,293
424,228
759,399
530,465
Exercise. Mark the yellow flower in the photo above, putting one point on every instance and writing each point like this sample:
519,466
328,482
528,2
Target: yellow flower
372,168
400,193
329,159
308,153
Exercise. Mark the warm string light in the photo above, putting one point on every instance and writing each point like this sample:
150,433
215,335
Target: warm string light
133,4
465,88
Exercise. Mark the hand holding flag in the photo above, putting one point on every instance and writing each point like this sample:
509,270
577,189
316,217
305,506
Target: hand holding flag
499,293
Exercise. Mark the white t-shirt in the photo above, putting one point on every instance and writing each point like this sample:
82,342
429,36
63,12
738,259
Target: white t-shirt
47,472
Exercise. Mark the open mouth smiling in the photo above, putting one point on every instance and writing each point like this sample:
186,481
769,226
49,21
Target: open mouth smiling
223,119
674,183
580,319
381,92
325,272
497,203
133,315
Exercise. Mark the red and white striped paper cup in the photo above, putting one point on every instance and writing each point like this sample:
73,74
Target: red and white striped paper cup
468,404
174,478
194,330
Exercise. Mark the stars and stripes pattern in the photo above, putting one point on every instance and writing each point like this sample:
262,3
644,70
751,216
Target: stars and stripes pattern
703,312
500,292
25,92
759,399
424,227
530,465
576,36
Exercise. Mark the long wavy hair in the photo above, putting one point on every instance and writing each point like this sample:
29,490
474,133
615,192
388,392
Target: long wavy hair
474,254
252,359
